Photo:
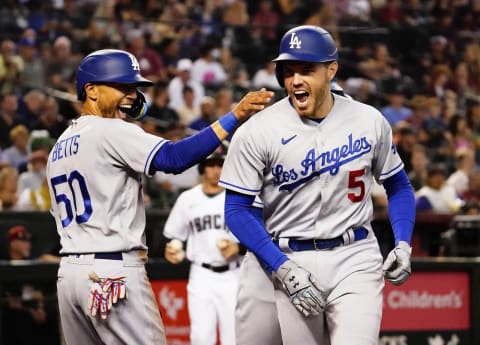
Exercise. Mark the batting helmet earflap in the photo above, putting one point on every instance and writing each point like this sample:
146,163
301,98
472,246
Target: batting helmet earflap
305,43
112,66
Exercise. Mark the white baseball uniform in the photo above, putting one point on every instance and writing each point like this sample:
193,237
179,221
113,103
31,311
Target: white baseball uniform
315,180
198,219
94,174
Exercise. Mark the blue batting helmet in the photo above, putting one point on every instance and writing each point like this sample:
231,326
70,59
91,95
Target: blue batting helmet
305,43
109,66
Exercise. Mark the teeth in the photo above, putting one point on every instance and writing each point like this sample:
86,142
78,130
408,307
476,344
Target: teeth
127,106
300,93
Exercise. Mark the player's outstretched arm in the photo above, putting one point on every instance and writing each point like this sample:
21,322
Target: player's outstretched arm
177,157
245,223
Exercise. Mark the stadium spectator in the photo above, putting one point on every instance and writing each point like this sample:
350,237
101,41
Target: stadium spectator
160,113
264,22
27,317
471,56
34,199
208,114
33,74
61,68
50,119
11,67
438,79
461,134
33,177
472,114
8,118
224,99
17,154
419,162
207,70
265,77
405,140
8,188
396,109
188,111
436,195
435,132
464,168
381,65
184,78
472,194
149,59
29,106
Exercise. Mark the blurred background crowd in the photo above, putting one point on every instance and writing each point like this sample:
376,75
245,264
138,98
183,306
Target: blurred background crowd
417,61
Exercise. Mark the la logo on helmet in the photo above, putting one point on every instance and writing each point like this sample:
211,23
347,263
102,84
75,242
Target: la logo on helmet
295,41
135,64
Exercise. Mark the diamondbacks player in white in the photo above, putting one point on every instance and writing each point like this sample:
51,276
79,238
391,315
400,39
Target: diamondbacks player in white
197,217
94,174
313,169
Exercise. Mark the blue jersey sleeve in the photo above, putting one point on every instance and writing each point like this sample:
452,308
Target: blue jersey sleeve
177,157
401,206
244,221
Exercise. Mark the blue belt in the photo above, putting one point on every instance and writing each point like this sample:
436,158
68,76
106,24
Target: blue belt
322,244
109,256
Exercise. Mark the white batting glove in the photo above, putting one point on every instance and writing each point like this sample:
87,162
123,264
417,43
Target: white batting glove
104,293
396,267
301,287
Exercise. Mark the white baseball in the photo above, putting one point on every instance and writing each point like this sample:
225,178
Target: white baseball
181,255
176,245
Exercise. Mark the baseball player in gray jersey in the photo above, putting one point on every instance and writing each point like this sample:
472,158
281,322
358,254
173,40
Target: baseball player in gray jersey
197,217
94,174
313,247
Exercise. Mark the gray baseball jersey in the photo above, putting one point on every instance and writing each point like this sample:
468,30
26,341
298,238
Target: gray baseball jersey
107,215
327,190
94,174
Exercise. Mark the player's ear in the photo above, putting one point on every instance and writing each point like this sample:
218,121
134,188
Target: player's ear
332,70
91,91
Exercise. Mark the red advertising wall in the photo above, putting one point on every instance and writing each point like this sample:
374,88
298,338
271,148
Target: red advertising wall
428,301
171,297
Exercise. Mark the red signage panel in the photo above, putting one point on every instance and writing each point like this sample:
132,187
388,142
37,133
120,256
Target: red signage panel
171,296
428,301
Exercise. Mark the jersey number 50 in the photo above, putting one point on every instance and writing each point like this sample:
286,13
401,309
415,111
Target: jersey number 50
74,179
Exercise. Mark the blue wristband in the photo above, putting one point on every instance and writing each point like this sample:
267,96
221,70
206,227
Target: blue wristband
228,122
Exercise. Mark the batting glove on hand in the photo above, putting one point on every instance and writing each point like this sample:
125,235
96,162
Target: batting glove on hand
396,267
104,293
301,287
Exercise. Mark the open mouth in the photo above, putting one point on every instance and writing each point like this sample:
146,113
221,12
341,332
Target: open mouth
301,97
123,110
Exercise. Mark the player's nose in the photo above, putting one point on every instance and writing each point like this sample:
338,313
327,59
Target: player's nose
297,78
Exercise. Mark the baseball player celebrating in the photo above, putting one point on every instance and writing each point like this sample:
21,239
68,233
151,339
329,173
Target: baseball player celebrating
197,217
314,173
94,174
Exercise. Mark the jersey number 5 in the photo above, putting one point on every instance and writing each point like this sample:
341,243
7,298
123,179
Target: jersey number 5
79,196
355,181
